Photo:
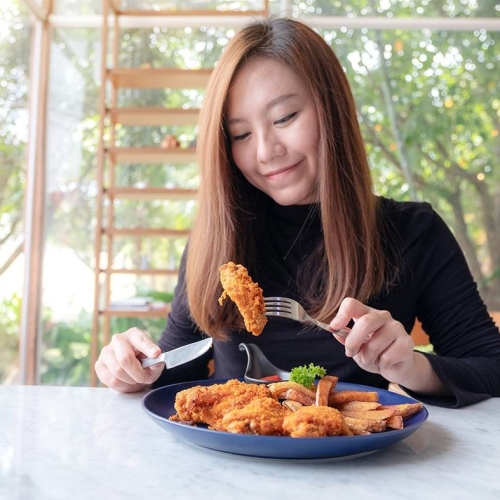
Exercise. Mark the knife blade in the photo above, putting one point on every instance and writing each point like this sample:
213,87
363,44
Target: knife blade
180,355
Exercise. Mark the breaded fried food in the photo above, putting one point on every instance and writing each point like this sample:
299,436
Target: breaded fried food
247,295
263,416
314,421
209,404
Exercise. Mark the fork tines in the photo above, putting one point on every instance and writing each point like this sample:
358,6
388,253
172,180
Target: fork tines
276,305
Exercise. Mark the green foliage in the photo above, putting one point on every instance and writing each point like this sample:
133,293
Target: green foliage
428,103
14,67
66,344
430,114
65,351
306,374
153,326
10,313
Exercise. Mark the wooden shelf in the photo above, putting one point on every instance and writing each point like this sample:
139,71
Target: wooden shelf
131,193
116,7
190,13
145,231
137,313
152,272
114,79
152,155
159,78
153,116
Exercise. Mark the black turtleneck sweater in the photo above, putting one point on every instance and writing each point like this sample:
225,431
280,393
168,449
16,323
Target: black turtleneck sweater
434,285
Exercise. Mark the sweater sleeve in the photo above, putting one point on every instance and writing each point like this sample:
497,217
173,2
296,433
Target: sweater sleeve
180,330
466,341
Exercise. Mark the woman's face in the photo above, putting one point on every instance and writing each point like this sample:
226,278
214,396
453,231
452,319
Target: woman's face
273,127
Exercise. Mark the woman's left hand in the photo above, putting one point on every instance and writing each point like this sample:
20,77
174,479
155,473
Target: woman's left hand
380,344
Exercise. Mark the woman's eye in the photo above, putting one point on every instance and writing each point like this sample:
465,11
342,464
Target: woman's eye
285,119
240,137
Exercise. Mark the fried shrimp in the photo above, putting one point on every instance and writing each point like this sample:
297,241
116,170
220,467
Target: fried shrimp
247,295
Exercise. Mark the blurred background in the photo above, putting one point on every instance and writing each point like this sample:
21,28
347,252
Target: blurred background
78,264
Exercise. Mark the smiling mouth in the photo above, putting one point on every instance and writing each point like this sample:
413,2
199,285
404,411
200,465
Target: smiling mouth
276,173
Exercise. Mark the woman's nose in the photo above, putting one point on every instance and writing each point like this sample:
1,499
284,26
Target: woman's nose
269,147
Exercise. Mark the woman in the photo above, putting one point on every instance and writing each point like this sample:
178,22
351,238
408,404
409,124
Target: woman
286,191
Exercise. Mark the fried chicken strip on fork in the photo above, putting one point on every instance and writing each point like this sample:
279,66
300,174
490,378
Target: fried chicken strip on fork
247,295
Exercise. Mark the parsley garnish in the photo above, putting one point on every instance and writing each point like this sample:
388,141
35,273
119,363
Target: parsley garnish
305,375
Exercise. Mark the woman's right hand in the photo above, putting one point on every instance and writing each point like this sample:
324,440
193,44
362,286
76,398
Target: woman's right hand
119,366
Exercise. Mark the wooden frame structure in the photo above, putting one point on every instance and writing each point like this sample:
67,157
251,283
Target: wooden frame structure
116,77
29,340
44,20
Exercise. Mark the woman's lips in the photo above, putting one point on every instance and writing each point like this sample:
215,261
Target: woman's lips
277,173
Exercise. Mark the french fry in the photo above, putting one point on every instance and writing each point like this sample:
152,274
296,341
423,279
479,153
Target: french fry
301,397
358,406
323,389
405,410
394,422
370,414
278,389
361,411
291,404
345,430
358,425
340,397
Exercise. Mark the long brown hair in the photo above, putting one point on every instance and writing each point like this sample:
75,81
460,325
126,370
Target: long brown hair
353,262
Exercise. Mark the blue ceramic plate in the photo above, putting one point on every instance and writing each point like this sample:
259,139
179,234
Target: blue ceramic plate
159,405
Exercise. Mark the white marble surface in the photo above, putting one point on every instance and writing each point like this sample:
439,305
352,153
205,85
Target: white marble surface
92,443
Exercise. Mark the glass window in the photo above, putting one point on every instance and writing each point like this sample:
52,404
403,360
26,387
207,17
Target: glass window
429,105
428,102
397,8
15,38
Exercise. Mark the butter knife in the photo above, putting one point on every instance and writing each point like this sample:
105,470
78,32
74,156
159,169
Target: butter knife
180,355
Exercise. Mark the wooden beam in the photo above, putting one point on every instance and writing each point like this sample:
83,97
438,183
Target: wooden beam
151,193
191,13
152,155
151,272
96,320
159,78
41,13
140,232
31,332
153,116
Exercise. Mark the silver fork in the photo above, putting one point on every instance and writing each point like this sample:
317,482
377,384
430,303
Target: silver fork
291,309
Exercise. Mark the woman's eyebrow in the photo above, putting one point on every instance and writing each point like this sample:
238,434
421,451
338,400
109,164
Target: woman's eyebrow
280,99
269,105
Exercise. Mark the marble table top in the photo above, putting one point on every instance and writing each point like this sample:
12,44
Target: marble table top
92,443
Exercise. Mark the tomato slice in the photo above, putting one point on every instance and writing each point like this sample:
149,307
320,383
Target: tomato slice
272,378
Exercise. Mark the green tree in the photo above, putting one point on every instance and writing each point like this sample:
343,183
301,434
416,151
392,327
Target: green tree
432,125
14,74
429,106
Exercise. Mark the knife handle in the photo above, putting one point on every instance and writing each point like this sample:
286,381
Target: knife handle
147,362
